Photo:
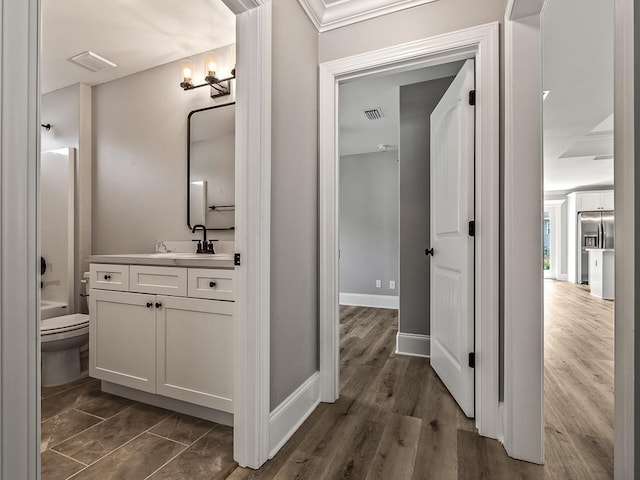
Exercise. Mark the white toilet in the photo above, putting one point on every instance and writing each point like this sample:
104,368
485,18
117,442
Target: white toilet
61,339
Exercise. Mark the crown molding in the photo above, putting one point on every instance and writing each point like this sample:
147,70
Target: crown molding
345,12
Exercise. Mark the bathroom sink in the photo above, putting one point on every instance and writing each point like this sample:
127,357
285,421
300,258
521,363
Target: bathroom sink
194,256
212,260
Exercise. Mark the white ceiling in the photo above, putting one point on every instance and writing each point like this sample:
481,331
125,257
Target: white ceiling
360,135
136,35
578,112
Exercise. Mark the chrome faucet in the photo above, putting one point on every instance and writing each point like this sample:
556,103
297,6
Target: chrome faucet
204,246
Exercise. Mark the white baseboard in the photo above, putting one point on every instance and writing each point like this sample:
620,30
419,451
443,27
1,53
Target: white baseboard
413,344
179,406
563,277
290,414
366,300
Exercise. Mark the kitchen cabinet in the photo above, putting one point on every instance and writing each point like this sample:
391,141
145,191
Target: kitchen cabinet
594,201
174,345
602,273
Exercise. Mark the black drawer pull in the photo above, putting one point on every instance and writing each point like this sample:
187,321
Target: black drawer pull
149,304
107,277
212,284
158,305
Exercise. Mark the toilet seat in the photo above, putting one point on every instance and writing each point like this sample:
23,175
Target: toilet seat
63,324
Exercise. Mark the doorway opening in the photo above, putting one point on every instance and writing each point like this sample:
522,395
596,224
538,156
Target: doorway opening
578,233
127,123
460,46
401,211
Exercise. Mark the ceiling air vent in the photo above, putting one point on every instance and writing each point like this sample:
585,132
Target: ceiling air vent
92,61
373,113
603,157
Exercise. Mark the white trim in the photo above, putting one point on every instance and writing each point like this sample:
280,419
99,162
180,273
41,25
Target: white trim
523,308
252,240
413,344
290,414
480,43
19,241
339,14
626,143
563,277
238,7
367,300
213,415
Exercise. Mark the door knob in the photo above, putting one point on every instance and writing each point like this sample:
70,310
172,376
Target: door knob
158,305
149,304
428,251
107,277
212,284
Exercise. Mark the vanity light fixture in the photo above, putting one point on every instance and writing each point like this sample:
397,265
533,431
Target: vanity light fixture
220,87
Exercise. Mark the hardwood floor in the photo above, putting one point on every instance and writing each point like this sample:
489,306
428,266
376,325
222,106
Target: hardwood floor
578,382
395,420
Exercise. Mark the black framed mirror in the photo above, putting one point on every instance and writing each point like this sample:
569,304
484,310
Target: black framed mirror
211,167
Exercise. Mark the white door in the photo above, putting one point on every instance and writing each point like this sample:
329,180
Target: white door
452,208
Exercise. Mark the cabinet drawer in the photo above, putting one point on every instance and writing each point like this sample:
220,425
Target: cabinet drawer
213,284
160,280
109,277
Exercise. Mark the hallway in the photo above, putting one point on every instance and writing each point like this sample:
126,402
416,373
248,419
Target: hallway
394,420
578,382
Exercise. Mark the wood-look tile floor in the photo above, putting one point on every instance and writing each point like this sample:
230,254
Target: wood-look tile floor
394,419
89,434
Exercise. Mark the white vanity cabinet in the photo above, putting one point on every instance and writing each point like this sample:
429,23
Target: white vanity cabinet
122,338
173,345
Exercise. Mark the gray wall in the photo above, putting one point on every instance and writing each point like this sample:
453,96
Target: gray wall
369,207
416,104
139,148
294,207
61,109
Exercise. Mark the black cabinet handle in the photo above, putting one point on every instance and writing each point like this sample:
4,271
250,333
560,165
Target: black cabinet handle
107,277
429,251
212,284
149,304
158,305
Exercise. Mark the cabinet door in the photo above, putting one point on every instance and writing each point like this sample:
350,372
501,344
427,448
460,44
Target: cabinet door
195,351
607,200
122,338
589,202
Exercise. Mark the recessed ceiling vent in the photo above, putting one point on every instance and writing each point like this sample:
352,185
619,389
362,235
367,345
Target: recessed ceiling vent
603,157
92,61
373,113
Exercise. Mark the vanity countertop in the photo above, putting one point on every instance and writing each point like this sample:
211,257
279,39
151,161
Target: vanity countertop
219,260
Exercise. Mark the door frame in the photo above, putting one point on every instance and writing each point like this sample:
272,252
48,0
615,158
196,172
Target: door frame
554,207
524,432
19,295
482,44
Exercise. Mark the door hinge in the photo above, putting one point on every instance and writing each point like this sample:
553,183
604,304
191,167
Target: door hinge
236,259
472,359
472,228
472,98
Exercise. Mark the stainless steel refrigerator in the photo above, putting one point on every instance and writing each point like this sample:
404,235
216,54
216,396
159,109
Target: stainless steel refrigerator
595,230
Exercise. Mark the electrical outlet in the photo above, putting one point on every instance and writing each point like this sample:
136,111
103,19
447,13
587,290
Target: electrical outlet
392,284
378,283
